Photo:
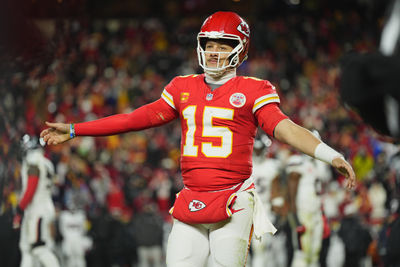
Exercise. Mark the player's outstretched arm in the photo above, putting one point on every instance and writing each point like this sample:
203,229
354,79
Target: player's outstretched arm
151,115
303,140
57,133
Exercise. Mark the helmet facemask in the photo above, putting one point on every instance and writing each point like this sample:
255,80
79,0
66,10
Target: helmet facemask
231,61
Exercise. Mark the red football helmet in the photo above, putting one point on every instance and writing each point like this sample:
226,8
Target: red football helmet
226,26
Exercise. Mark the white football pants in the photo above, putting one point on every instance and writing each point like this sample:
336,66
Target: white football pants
226,242
36,241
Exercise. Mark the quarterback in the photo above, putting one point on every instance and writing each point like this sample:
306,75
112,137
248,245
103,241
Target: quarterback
217,211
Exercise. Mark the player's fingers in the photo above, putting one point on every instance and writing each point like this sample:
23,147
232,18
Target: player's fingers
57,138
350,183
48,140
46,132
51,124
53,141
343,170
43,133
47,135
351,177
54,125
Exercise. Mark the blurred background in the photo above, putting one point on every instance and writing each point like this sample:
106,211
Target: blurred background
79,60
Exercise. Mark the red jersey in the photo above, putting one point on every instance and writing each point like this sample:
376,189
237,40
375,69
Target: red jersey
218,128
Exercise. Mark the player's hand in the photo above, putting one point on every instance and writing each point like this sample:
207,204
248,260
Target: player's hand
345,168
57,133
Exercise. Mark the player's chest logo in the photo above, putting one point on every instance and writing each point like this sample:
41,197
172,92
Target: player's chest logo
196,205
237,100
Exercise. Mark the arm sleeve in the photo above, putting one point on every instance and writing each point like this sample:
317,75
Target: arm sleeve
29,192
269,116
147,116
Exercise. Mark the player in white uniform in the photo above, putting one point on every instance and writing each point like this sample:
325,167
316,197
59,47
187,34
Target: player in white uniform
75,241
265,169
36,205
304,188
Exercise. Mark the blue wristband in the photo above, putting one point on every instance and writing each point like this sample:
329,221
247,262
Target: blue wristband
71,131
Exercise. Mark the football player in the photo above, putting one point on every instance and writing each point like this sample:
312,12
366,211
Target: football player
36,207
217,211
270,251
305,186
75,241
306,214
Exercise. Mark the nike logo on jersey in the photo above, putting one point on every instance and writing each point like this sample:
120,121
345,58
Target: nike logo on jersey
196,205
234,211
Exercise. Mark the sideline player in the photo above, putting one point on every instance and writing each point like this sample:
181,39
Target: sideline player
75,241
306,176
216,212
36,206
265,169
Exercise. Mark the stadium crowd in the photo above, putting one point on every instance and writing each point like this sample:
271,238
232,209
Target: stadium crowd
124,182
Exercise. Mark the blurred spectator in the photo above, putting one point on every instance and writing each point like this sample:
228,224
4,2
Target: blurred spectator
393,240
75,243
113,242
147,230
377,196
10,256
363,163
355,236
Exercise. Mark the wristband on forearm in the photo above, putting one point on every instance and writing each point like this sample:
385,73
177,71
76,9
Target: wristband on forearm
325,153
71,131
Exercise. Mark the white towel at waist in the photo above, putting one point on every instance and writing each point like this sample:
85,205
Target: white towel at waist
261,222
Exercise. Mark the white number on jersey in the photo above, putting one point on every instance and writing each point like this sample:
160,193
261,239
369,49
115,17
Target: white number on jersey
209,130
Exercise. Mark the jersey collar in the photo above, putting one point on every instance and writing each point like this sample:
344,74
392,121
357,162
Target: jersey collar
220,80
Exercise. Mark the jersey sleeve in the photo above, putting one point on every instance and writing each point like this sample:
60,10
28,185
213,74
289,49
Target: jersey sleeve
269,116
265,104
26,199
170,92
265,94
151,115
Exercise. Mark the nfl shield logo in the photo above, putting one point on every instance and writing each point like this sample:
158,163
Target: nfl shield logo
209,96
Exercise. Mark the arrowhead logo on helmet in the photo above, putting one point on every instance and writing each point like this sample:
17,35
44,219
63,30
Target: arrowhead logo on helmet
243,27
